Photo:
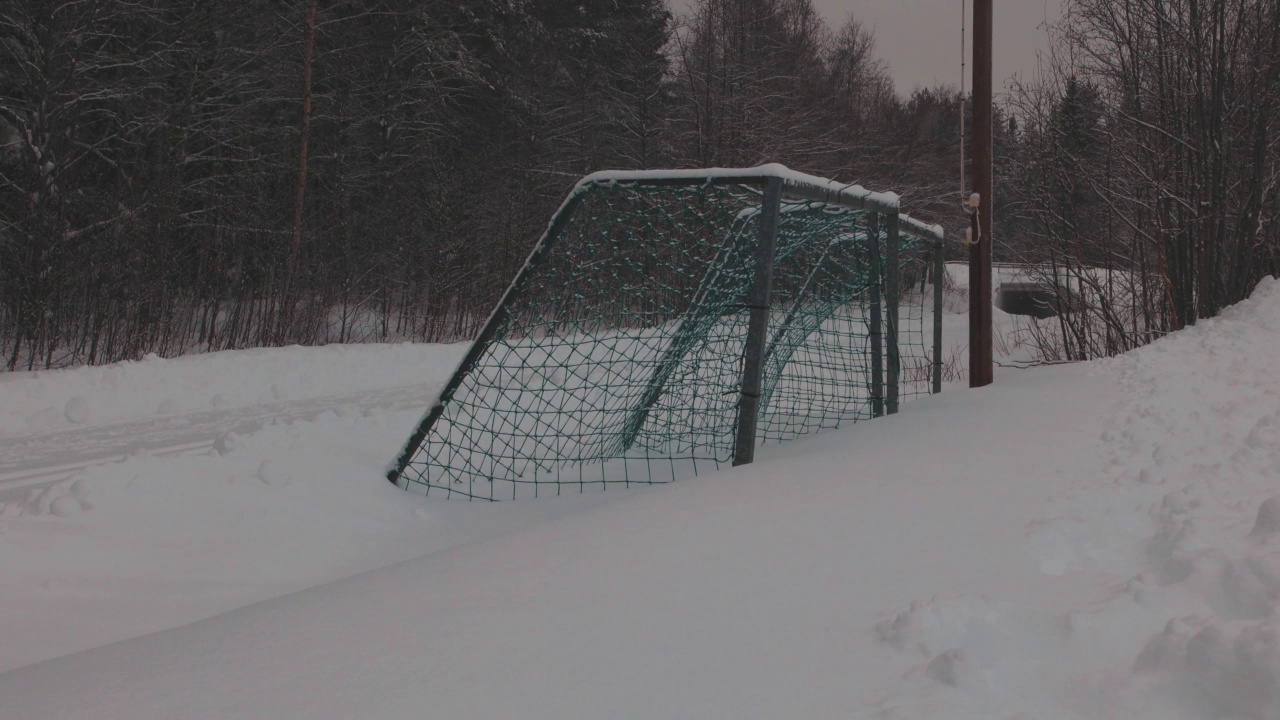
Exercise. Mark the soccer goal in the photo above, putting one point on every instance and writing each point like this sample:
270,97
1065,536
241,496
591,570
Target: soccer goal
670,321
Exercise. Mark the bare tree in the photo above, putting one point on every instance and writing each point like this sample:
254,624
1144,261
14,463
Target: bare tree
1148,171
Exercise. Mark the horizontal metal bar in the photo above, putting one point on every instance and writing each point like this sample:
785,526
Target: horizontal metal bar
795,186
834,196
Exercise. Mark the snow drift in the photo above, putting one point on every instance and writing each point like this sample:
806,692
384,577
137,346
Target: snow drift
1089,541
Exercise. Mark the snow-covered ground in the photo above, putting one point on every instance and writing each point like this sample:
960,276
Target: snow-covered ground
146,495
1098,540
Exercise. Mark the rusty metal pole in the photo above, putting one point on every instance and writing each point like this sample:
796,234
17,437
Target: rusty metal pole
980,360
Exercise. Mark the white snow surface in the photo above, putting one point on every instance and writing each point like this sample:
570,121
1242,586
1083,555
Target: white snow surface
33,403
1097,540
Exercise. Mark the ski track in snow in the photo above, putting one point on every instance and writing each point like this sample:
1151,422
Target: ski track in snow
127,500
37,462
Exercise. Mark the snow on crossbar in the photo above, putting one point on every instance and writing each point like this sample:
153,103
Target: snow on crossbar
669,321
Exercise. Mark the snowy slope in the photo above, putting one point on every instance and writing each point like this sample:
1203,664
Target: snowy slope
1087,541
174,490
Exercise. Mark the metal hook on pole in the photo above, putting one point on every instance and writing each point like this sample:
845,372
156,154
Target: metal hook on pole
973,235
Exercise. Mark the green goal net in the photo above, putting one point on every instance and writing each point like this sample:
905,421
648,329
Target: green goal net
668,322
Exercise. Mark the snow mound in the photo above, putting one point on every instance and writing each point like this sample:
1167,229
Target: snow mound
1090,541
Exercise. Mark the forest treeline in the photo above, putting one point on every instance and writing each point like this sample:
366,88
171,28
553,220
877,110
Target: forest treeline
1145,169
182,176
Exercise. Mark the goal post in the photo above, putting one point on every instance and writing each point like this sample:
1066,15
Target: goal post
668,321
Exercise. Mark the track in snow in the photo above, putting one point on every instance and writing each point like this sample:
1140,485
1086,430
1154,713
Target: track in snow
35,462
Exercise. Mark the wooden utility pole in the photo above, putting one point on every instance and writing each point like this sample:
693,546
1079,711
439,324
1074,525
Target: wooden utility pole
980,360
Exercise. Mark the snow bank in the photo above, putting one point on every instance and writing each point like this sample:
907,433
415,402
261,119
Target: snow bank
748,593
1090,541
150,542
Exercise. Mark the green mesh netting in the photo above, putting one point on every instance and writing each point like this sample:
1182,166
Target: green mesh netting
617,355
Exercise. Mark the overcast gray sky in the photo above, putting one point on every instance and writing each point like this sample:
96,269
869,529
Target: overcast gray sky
920,39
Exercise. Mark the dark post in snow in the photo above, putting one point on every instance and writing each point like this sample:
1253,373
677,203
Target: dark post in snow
893,353
939,270
744,450
877,314
980,360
